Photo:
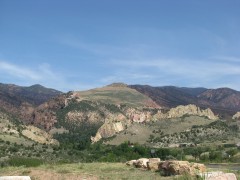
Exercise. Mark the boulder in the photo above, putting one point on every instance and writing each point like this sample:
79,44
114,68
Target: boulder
225,176
199,168
15,178
142,163
218,175
153,164
180,168
131,163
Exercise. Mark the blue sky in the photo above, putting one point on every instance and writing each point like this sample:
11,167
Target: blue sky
82,44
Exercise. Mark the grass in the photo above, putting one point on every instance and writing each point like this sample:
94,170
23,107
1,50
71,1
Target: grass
83,171
140,133
92,171
116,95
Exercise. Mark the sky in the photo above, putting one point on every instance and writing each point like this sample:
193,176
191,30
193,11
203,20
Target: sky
83,44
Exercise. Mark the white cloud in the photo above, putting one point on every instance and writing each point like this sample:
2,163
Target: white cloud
41,74
184,72
18,71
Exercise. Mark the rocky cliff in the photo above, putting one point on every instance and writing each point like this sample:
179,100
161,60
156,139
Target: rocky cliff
190,110
133,115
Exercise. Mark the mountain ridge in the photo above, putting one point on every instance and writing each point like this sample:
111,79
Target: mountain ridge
223,101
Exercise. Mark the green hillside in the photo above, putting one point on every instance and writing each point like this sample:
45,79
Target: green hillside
117,94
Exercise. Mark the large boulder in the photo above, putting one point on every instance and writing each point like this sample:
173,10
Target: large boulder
199,168
218,175
180,168
131,163
142,163
153,164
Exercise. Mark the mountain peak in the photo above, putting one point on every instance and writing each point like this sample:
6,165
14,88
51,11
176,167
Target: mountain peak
118,84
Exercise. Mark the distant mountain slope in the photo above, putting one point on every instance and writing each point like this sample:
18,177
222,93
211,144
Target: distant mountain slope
20,100
222,101
222,97
35,94
193,91
168,96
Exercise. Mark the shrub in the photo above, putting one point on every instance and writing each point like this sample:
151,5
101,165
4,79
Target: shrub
28,162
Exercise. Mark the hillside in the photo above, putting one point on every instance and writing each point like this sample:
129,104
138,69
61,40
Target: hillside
21,101
222,101
117,93
17,139
35,94
167,96
99,124
102,113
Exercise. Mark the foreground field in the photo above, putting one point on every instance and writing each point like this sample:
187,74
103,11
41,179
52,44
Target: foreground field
95,171
80,171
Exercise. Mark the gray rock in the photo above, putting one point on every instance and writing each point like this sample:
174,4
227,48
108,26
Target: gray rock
15,178
218,175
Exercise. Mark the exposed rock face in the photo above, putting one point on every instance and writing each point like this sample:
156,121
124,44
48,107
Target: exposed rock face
181,168
153,164
39,135
138,116
236,116
190,110
108,130
134,115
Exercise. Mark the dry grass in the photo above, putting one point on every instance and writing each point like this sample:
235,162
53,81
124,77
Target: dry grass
88,171
116,95
138,133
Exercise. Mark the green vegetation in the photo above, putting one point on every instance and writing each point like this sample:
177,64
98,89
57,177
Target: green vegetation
22,161
79,136
116,95
77,171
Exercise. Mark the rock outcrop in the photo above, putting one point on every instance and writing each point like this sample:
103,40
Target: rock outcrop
191,109
39,135
181,168
145,163
108,130
236,116
153,164
115,123
168,168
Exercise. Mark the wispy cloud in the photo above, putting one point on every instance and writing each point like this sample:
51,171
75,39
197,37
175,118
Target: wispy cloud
43,74
208,72
196,68
18,71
